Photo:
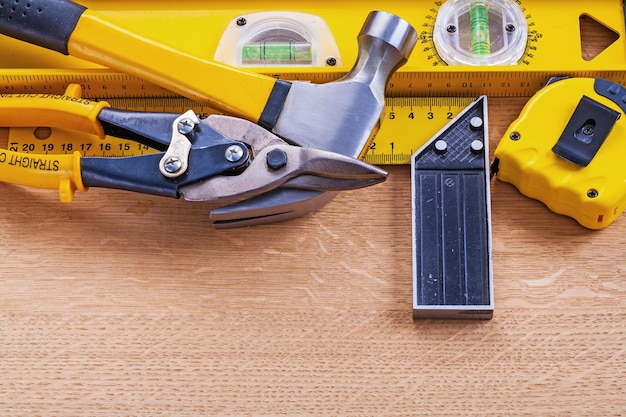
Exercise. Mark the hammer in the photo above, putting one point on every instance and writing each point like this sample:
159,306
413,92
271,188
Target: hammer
342,116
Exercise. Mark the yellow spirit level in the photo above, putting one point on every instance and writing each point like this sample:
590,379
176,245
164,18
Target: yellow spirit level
315,41
554,44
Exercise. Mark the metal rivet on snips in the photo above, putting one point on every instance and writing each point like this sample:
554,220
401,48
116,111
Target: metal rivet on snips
175,161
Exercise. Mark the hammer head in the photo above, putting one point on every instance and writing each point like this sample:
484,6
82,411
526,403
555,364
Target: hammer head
343,116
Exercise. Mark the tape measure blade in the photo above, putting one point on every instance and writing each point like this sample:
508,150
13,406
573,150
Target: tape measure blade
175,104
4,137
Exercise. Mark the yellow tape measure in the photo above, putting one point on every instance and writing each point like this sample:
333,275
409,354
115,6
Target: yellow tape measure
409,123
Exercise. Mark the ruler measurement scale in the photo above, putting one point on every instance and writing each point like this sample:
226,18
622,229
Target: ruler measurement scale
472,82
409,122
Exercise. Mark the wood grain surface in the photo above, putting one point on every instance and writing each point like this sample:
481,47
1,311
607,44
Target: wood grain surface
124,304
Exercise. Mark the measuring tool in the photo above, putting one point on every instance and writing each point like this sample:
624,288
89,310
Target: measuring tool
480,32
566,149
316,43
452,220
409,122
536,39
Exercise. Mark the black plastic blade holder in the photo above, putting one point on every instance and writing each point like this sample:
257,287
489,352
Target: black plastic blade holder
452,267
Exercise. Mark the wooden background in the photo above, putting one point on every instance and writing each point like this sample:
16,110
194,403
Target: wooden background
127,304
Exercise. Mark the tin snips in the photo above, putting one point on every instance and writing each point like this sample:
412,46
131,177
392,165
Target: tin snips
220,159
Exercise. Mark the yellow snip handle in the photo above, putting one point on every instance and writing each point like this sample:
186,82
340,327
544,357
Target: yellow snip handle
68,111
60,172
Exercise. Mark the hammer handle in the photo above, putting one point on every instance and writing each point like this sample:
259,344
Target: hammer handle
46,23
72,29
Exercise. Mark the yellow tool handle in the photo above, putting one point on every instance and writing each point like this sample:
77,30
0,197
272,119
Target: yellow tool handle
237,92
60,172
52,110
71,28
68,111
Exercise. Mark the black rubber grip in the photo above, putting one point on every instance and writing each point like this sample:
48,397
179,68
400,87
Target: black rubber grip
274,104
47,23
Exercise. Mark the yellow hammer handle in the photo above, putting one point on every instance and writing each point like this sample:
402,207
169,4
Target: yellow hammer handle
71,28
225,88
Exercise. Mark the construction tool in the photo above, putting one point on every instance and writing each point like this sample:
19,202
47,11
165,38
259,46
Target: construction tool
220,159
583,39
338,117
317,116
557,42
566,150
409,123
452,268
480,32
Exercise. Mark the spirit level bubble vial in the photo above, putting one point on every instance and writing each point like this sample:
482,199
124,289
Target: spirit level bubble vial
480,32
278,39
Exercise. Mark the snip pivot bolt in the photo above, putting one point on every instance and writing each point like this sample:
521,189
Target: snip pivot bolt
234,153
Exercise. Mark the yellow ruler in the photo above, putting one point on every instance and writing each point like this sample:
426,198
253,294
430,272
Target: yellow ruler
581,38
408,124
